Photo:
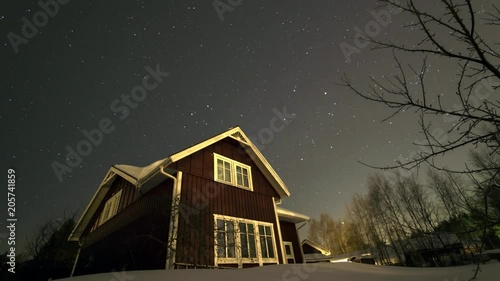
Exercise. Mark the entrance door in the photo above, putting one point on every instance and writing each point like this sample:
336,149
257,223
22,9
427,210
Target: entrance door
290,257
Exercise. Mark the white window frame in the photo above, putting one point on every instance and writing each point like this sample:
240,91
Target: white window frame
227,259
239,259
292,255
110,208
268,260
255,234
233,164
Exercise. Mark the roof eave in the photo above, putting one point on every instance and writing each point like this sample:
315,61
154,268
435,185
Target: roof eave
92,206
316,246
291,216
260,160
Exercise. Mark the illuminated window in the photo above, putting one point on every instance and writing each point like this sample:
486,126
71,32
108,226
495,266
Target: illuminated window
266,242
110,208
243,241
247,238
232,172
226,246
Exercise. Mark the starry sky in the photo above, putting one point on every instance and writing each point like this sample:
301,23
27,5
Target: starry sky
237,68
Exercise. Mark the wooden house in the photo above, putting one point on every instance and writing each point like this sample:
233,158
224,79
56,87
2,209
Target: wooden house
214,204
312,252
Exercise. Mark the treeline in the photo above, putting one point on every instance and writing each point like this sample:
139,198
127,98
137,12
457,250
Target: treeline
48,253
425,210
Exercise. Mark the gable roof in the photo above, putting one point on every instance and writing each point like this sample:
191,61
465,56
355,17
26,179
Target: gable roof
316,246
149,176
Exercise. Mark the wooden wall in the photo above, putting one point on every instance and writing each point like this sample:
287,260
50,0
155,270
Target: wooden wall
135,238
129,195
203,197
201,164
289,234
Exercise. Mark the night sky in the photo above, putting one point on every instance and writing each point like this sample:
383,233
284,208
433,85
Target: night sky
262,57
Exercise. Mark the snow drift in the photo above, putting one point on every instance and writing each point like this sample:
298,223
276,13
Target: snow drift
298,272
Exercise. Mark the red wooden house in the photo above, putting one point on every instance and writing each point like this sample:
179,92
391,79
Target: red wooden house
214,204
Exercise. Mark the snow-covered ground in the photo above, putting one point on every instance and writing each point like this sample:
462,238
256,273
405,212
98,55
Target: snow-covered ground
318,271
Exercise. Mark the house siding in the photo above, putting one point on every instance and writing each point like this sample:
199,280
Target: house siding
202,197
289,234
201,164
129,195
135,238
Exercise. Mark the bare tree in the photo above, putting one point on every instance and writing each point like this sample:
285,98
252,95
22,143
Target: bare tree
323,231
475,121
451,31
391,215
366,212
38,244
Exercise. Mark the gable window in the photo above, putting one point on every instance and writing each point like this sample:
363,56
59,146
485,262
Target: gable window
232,172
223,170
243,241
110,208
242,176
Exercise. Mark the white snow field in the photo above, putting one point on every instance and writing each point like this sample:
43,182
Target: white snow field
318,271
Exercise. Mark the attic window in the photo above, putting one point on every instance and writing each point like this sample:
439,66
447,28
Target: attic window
111,207
232,172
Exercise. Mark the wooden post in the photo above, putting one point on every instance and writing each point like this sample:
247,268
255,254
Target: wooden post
76,261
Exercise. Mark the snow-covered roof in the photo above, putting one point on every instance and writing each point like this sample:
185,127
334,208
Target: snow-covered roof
321,249
291,216
142,174
147,177
318,257
139,173
345,257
